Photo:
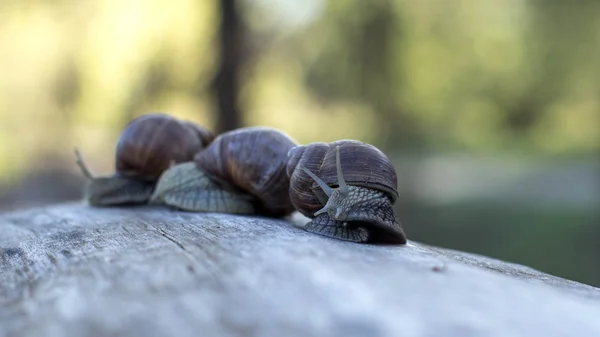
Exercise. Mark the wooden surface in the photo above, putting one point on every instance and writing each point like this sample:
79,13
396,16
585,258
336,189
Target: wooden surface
69,270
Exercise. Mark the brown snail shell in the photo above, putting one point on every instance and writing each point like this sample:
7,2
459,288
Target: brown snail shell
147,147
363,164
348,188
151,143
241,171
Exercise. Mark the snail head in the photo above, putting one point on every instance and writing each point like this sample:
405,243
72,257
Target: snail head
340,200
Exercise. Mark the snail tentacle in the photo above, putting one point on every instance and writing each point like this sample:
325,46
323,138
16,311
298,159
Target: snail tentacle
351,203
368,218
82,165
112,190
336,196
343,192
326,189
346,214
148,145
341,181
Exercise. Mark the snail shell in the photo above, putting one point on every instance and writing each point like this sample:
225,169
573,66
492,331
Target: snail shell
147,147
150,144
242,171
348,188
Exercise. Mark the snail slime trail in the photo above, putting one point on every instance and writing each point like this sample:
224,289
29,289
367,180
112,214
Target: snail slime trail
348,189
242,171
147,147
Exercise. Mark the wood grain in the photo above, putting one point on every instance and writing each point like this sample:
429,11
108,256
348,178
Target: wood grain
71,270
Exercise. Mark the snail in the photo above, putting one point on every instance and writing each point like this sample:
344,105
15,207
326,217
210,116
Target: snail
148,146
242,171
348,189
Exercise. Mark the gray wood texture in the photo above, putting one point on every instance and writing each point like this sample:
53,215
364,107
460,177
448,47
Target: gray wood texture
71,270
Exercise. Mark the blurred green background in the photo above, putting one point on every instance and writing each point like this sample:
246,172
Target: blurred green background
489,109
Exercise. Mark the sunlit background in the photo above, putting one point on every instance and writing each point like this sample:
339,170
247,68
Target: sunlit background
489,109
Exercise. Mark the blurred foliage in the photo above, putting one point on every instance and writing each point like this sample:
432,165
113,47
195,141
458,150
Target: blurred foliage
74,72
504,79
486,75
559,241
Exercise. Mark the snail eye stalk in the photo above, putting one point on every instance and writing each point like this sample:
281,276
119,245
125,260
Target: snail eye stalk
341,182
328,190
81,163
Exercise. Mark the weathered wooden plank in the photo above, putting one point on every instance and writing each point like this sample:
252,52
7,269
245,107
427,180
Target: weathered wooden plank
70,270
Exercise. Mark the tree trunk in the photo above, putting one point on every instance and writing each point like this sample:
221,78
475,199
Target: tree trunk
226,82
72,270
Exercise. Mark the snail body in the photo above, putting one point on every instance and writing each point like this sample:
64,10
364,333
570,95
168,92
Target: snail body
348,189
148,146
242,172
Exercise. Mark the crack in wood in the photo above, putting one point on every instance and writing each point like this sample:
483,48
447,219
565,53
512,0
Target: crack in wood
168,237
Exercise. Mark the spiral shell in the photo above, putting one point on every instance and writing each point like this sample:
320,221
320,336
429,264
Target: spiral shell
151,143
364,165
252,160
